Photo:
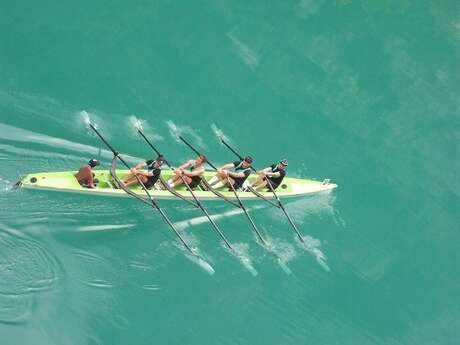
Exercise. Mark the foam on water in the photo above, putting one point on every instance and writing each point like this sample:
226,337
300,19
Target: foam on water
284,251
21,135
85,117
313,245
5,185
202,263
242,253
176,131
220,134
137,124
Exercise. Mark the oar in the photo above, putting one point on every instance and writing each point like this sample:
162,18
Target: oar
240,204
198,202
274,193
154,204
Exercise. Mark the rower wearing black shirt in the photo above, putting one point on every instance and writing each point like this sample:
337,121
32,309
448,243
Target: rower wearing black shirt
149,177
274,173
236,178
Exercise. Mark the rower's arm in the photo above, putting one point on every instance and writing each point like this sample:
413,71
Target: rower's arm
140,165
185,165
90,179
273,174
146,173
266,170
235,174
226,166
197,172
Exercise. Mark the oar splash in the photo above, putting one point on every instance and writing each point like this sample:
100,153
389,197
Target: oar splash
153,203
280,204
246,262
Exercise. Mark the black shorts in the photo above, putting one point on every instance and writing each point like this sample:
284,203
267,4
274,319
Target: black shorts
238,183
195,181
274,184
150,183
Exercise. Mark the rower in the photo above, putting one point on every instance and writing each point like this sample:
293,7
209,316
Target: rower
274,173
193,176
85,175
235,178
149,177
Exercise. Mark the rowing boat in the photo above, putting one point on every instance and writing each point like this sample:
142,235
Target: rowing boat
106,180
65,182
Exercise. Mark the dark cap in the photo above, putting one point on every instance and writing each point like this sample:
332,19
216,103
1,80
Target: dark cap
93,163
284,162
248,159
161,159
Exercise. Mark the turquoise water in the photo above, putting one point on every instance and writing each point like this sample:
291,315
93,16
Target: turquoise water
362,92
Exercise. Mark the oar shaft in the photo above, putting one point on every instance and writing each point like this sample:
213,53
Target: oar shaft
204,181
153,203
274,193
196,151
198,202
240,204
253,169
103,140
164,183
149,143
248,216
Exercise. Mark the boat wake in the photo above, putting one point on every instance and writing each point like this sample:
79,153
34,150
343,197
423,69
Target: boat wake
26,268
184,224
105,227
16,134
320,204
5,185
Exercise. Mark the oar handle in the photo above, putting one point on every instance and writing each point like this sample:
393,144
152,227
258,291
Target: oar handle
196,151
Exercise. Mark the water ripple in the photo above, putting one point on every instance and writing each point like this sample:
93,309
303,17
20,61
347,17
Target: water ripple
25,265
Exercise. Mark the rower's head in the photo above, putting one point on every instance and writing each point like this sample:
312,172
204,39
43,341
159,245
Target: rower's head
283,164
93,163
159,161
247,161
201,159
